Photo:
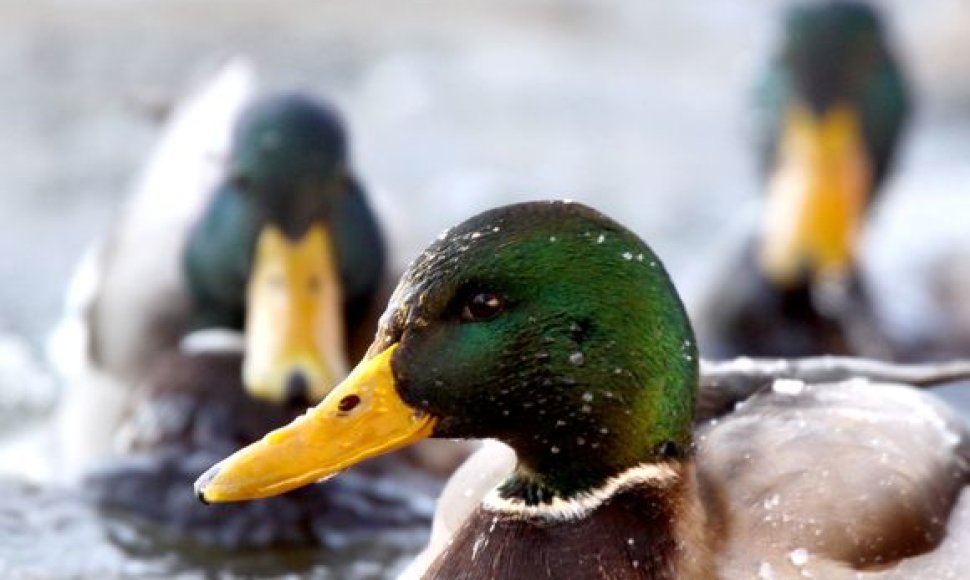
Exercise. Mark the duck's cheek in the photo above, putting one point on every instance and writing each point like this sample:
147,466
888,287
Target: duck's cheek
436,369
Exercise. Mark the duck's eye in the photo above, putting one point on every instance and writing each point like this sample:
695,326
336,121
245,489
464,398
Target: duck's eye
482,306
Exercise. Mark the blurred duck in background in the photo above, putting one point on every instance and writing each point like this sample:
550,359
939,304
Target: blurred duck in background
833,105
554,329
273,283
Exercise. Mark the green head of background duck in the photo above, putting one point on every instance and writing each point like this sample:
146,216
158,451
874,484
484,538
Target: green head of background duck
833,103
552,328
288,250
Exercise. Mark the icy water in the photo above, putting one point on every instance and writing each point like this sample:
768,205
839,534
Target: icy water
56,533
638,108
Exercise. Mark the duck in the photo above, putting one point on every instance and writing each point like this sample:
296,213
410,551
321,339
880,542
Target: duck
557,331
200,286
832,108
285,271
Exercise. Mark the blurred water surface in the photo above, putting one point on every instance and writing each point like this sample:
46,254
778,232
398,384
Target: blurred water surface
638,108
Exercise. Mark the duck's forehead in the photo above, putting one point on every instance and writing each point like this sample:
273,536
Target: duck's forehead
458,247
289,127
498,252
508,243
832,25
449,261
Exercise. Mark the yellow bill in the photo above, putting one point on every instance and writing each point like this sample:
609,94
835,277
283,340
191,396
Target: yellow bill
817,196
294,318
361,418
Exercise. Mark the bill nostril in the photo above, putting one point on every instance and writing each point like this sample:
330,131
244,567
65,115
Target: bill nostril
297,390
348,403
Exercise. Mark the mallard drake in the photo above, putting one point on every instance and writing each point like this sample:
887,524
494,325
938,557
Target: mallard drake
269,233
284,270
833,104
554,329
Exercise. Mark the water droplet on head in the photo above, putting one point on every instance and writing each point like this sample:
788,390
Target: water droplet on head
552,239
601,238
627,255
766,572
577,358
798,556
771,502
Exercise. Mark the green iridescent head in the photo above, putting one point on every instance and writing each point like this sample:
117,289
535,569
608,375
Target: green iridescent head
550,327
835,51
289,155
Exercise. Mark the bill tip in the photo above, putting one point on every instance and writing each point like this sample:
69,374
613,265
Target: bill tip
204,480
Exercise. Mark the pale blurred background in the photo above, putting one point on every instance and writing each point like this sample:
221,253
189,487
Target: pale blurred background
640,108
